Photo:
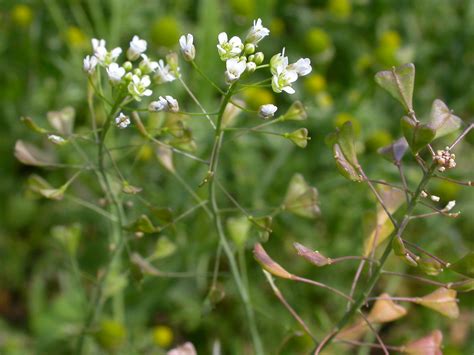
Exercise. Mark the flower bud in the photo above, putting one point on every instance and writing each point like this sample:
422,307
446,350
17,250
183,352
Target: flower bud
251,66
137,72
187,47
267,111
128,66
128,76
259,57
249,48
251,58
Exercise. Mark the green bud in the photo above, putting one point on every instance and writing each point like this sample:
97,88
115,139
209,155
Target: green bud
259,57
128,76
137,72
249,48
251,58
172,61
128,66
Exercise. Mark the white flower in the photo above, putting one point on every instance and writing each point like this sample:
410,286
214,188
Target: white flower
146,65
89,64
267,111
284,75
449,206
187,47
138,87
167,103
278,63
103,56
229,49
235,68
257,32
56,139
115,73
137,47
122,121
163,73
282,82
302,66
251,67
435,198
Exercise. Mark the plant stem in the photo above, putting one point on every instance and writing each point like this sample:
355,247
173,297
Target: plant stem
244,294
120,240
359,302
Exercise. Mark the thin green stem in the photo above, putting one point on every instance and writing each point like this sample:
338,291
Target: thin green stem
243,291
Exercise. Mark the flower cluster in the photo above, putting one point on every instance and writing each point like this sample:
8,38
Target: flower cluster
285,74
445,159
240,57
135,75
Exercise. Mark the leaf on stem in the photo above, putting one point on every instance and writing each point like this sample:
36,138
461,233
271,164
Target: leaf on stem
165,157
239,228
399,82
314,257
442,120
418,135
395,151
442,301
385,310
62,121
428,345
268,264
40,186
28,154
301,198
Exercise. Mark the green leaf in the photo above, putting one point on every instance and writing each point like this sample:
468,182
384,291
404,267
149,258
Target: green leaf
299,137
418,135
239,228
301,198
465,265
395,151
62,121
399,82
442,119
344,167
346,142
144,225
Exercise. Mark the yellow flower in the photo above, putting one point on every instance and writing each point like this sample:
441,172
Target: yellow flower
22,15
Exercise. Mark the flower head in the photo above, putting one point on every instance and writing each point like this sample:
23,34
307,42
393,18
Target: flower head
122,121
56,139
137,47
115,73
163,73
257,32
187,47
235,68
89,64
104,57
138,87
282,81
302,66
146,65
278,63
267,111
229,48
167,103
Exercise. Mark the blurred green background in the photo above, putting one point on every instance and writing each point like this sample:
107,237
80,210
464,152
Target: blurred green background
42,44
